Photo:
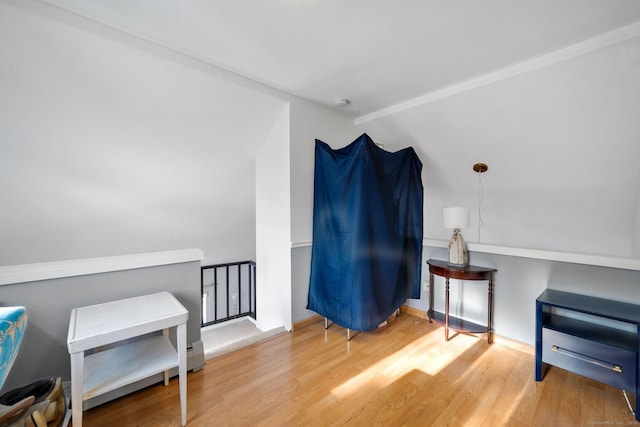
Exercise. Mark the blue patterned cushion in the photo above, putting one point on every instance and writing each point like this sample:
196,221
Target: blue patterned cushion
13,322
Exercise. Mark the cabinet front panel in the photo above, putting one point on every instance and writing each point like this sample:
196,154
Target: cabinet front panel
601,362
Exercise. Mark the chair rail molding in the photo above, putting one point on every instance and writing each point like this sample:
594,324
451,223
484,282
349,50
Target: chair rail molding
22,273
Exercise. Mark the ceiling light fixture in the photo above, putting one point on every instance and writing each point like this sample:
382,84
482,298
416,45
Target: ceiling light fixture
480,168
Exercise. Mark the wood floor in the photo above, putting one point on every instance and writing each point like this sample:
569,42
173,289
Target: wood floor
402,374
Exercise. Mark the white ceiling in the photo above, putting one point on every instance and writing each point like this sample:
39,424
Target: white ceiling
376,53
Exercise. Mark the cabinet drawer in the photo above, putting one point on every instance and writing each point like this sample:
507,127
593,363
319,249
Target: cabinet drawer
607,364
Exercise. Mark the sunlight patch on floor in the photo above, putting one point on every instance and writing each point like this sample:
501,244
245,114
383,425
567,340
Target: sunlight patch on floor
414,356
489,396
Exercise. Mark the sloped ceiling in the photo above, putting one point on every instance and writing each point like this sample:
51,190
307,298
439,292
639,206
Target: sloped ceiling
561,142
108,150
376,53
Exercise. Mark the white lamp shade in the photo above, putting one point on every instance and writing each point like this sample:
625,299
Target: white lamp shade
456,217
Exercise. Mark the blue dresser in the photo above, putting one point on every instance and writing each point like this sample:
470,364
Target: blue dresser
593,337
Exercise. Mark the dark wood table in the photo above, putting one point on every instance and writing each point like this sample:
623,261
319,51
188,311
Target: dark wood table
468,272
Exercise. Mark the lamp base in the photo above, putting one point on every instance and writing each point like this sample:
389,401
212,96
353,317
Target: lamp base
458,256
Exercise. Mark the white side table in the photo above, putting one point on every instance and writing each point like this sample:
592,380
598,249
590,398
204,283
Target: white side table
98,325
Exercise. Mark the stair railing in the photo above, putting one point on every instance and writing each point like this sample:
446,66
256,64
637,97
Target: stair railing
228,291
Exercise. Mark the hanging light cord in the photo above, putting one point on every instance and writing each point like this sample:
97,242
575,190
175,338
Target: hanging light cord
480,200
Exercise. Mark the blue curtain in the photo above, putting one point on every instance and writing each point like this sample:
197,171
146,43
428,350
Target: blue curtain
367,232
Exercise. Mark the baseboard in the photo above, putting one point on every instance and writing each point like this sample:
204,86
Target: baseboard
195,356
307,322
413,311
317,318
498,339
514,344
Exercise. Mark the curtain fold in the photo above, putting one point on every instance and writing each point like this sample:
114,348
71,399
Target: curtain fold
367,232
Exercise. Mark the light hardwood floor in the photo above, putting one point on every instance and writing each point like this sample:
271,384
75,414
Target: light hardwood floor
402,374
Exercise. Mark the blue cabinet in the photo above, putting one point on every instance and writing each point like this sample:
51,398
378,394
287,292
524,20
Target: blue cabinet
593,337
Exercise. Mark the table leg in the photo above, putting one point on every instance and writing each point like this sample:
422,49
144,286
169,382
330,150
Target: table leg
430,311
165,332
182,370
490,312
446,310
77,382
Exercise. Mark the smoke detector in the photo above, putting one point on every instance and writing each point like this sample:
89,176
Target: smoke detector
342,102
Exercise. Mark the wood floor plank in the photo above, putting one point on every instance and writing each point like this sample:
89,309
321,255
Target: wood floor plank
402,374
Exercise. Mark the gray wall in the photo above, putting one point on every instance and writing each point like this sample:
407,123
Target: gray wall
300,274
49,303
518,283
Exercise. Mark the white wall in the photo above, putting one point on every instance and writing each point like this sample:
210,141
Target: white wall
273,225
106,149
111,145
635,249
561,143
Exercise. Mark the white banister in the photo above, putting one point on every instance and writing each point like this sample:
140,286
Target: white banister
12,274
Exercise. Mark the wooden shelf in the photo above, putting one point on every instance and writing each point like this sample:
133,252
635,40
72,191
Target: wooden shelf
117,367
458,324
591,331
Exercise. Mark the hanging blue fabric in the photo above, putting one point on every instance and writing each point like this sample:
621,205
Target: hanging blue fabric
367,232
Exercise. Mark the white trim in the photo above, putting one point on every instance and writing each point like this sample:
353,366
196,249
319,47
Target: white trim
625,263
11,274
582,48
295,245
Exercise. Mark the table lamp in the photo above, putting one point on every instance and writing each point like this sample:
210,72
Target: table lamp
456,218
